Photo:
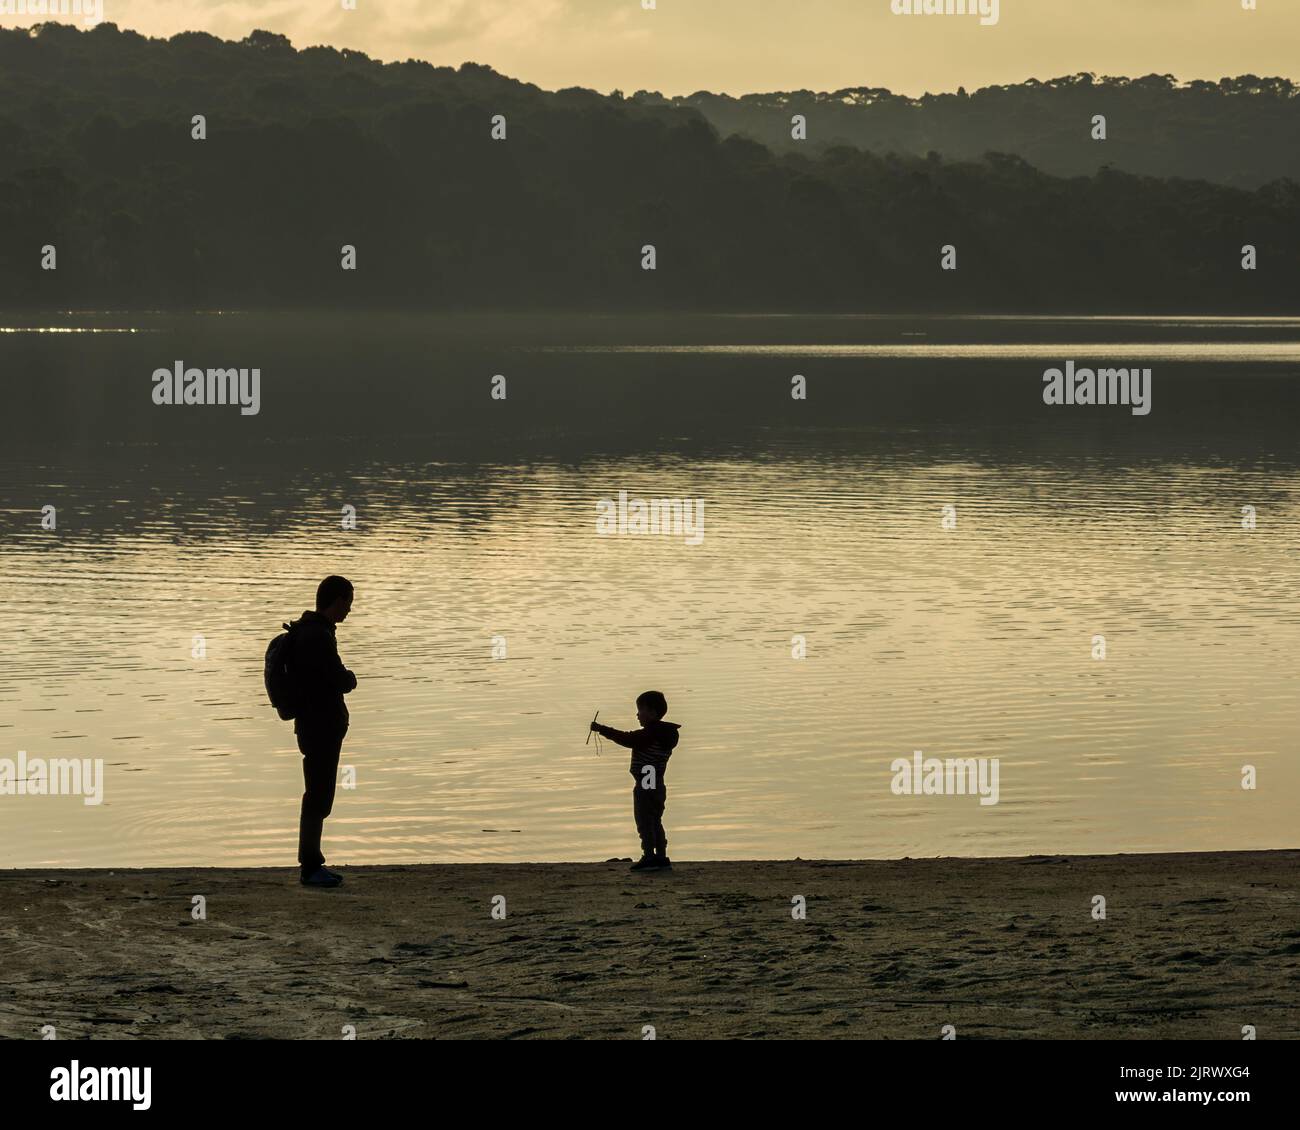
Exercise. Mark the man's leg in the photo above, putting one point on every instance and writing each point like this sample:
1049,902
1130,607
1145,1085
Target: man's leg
320,767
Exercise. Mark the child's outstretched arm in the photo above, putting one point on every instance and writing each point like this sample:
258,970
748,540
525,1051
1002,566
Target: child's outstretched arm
628,738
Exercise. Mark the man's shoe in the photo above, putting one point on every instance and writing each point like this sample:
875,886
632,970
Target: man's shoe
645,863
665,864
322,878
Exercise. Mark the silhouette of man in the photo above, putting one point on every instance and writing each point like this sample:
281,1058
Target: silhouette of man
321,719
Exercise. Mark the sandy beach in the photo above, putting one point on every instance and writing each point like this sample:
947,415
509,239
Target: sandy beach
1192,946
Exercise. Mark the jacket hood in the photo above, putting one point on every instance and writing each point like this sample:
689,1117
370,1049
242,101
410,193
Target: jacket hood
667,731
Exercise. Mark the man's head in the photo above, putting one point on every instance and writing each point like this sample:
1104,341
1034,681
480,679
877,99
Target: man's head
334,599
651,706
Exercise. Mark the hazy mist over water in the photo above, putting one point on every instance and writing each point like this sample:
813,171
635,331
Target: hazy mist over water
477,518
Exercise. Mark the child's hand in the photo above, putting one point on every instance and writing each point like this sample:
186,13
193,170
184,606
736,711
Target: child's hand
594,725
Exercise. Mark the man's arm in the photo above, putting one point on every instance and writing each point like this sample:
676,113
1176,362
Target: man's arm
628,738
344,679
319,667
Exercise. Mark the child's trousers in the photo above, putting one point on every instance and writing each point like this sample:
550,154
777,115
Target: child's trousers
648,808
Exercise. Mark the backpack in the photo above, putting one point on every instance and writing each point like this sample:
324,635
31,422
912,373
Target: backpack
277,674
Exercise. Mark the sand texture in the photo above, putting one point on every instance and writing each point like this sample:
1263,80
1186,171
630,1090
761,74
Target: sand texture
1192,946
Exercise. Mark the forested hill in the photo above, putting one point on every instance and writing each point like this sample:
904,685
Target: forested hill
1242,131
307,151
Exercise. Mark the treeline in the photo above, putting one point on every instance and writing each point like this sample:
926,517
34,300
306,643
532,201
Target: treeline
308,151
1242,131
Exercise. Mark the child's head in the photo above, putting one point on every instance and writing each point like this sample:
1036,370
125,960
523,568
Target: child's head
651,706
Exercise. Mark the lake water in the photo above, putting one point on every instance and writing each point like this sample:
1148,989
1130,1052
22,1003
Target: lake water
476,530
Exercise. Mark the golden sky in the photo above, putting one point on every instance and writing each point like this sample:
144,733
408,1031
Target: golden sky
741,46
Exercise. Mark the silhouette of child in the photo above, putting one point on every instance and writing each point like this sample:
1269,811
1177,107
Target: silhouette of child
651,747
